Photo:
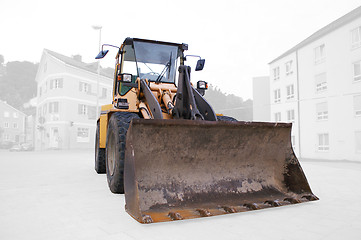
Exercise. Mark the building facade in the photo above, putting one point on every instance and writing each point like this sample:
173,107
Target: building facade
261,99
12,124
316,85
69,91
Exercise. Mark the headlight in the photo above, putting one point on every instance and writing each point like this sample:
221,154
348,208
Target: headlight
127,78
202,85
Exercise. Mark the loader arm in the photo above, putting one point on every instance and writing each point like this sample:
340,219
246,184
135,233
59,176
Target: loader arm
204,107
189,103
153,104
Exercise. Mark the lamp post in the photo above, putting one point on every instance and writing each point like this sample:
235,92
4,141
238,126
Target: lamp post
98,27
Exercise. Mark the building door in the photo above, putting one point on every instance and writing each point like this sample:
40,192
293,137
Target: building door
54,138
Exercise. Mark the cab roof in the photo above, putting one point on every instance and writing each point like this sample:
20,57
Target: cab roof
129,41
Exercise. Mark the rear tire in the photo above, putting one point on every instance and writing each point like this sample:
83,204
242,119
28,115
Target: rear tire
115,149
226,119
99,153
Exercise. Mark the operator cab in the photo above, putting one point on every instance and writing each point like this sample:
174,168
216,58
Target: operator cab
155,61
152,60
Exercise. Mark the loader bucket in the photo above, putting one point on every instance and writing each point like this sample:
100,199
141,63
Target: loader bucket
181,169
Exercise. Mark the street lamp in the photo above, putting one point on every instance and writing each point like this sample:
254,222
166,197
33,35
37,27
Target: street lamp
98,27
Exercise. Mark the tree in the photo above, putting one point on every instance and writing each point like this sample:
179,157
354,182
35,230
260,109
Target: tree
229,104
17,85
2,68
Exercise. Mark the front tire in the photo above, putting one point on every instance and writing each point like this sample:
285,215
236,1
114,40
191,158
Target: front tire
226,119
115,149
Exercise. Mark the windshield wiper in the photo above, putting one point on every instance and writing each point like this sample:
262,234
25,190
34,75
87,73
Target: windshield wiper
162,73
167,66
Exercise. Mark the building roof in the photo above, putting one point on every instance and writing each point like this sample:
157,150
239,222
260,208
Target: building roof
91,67
8,105
354,14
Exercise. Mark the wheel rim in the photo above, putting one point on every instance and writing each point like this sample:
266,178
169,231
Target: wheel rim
111,155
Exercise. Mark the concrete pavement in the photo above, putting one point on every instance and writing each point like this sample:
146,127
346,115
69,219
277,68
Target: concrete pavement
58,195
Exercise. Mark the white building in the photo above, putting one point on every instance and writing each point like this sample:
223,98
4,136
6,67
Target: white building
261,99
66,101
317,86
12,124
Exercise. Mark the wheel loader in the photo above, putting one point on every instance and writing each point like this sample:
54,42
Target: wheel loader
161,143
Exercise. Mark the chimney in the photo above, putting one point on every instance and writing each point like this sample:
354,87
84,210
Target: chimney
77,57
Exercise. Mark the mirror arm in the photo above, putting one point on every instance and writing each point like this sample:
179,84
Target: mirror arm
109,46
192,56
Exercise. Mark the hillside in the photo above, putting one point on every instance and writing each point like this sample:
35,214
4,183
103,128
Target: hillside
229,104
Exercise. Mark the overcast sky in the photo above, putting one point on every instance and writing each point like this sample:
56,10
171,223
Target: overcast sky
237,38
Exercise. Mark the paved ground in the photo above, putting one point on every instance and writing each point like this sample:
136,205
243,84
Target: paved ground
57,195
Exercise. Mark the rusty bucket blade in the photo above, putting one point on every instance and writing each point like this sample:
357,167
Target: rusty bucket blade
181,169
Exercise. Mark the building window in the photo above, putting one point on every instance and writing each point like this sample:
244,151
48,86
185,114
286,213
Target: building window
82,109
358,141
104,93
277,117
323,142
356,38
6,114
322,111
277,95
276,73
6,125
15,115
53,107
83,135
357,71
44,109
56,83
289,68
320,54
15,125
291,115
40,91
357,105
321,82
84,87
91,112
6,137
290,92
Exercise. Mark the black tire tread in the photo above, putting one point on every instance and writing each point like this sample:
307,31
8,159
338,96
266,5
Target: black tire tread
226,119
119,122
100,160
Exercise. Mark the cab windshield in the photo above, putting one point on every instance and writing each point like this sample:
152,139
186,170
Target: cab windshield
152,61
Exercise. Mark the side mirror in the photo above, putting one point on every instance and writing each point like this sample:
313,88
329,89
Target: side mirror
200,64
102,54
